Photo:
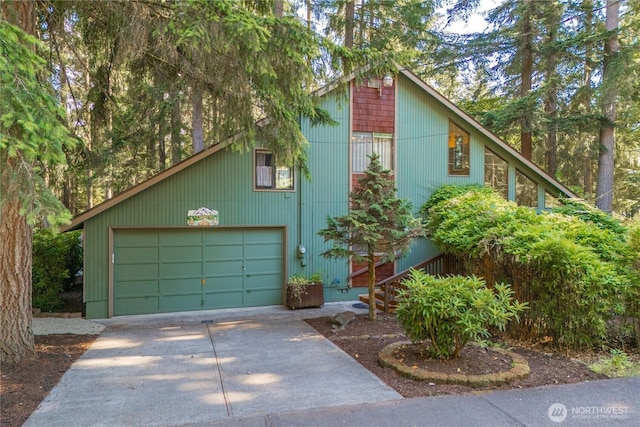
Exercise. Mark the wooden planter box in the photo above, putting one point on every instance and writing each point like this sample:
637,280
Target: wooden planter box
312,296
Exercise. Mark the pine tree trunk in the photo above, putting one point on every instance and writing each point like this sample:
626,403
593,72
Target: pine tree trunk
551,98
589,66
604,188
349,10
16,333
176,127
526,121
196,120
371,276
278,8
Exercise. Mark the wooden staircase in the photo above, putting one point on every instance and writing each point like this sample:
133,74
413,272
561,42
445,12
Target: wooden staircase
386,291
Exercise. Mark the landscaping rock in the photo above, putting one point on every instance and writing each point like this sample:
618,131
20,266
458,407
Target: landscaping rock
341,320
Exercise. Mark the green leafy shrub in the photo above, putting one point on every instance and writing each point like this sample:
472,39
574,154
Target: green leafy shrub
449,191
618,365
451,311
590,214
633,300
57,258
574,275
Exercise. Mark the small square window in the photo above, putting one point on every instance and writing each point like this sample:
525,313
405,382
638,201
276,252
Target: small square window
268,175
458,150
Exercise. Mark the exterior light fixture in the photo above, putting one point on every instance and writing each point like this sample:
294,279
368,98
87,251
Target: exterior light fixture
387,81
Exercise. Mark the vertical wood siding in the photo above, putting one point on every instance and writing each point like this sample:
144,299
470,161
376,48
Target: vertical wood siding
325,194
224,181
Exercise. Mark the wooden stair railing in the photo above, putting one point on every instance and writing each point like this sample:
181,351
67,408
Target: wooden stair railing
387,289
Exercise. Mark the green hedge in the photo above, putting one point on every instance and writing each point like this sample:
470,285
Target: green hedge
573,265
57,258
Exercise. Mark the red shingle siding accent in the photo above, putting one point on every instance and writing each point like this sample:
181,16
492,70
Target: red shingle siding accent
373,112
354,180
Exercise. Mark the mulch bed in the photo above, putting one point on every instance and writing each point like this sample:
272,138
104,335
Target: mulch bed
24,385
363,339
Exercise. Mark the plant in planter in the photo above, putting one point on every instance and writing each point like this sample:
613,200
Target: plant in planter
303,292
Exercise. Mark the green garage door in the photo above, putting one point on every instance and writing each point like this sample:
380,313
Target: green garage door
169,270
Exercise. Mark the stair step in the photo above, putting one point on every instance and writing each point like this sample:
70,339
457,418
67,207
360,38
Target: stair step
379,303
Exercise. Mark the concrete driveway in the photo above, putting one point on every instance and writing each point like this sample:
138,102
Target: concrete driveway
208,367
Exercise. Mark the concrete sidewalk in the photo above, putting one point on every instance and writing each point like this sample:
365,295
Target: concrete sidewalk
266,367
597,403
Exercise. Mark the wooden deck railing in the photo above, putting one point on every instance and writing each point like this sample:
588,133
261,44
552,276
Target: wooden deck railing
440,265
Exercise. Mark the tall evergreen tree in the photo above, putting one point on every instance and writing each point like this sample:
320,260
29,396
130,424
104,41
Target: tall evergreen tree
378,224
31,135
604,189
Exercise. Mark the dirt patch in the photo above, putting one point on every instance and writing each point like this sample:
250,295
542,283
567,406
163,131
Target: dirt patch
363,340
24,385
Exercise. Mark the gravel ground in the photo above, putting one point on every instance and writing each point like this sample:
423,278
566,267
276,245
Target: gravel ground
54,325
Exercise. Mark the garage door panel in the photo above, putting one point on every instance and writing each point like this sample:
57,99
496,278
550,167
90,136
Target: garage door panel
128,289
263,236
267,280
180,253
183,270
224,283
162,270
216,300
181,303
141,305
223,252
129,272
180,286
137,254
214,268
138,238
179,237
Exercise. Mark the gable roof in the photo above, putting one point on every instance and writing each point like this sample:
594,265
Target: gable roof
79,219
486,132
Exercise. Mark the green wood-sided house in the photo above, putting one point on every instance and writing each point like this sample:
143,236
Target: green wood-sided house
141,256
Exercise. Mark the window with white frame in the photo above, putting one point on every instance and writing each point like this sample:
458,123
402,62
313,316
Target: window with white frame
364,144
268,175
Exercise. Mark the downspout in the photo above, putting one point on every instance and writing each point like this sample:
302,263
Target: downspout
300,252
